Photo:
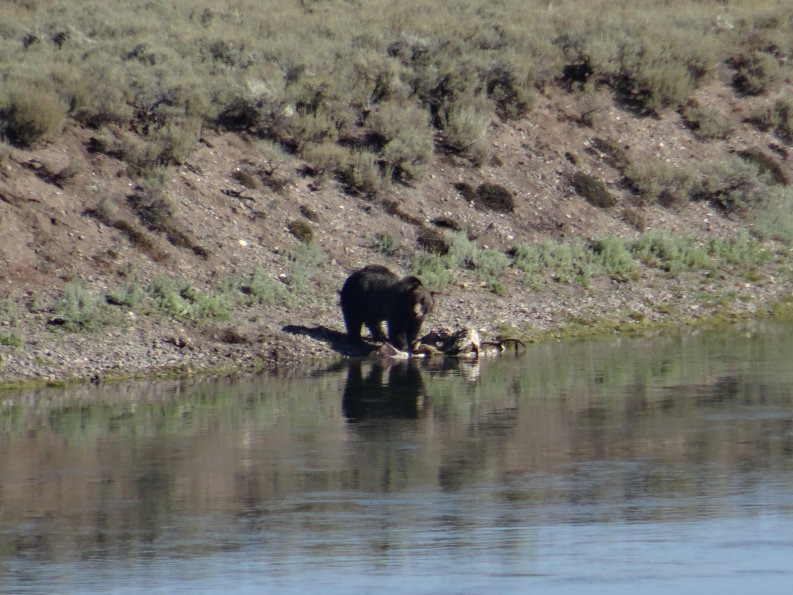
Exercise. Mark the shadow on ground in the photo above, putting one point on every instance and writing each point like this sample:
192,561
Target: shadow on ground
339,342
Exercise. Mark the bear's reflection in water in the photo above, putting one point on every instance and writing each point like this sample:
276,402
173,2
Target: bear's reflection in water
383,390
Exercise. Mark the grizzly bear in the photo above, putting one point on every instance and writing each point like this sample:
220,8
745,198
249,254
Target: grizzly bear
374,294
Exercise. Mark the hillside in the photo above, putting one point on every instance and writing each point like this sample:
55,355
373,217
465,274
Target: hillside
186,189
275,298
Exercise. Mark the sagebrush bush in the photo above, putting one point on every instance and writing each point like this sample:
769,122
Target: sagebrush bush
463,127
705,124
593,190
263,290
670,253
777,118
78,308
130,295
326,158
405,137
433,270
613,258
362,174
565,262
731,185
741,250
611,151
766,165
773,219
304,264
495,198
184,301
661,83
12,341
660,181
385,243
756,73
302,230
30,115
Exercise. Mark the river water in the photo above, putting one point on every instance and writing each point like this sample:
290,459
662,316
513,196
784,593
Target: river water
646,465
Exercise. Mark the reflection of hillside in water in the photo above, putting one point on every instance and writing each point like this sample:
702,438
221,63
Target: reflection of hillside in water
606,428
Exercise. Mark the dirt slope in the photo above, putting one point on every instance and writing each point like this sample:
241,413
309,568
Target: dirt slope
66,214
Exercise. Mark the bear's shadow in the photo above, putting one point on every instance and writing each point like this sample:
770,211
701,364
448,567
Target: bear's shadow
338,341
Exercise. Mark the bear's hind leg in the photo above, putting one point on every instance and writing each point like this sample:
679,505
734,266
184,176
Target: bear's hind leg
376,328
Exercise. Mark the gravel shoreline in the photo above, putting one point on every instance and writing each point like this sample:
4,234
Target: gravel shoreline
151,346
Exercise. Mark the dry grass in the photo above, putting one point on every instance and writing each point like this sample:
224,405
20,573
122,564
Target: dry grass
367,89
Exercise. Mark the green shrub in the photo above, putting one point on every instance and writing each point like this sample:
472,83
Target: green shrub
740,250
660,181
433,270
130,295
325,157
495,198
406,138
705,124
662,84
462,252
31,115
592,190
756,73
305,264
264,290
489,264
777,118
183,301
463,128
173,142
652,79
732,185
362,174
77,308
12,341
315,72
96,95
564,262
613,257
385,244
766,165
670,253
431,240
307,128
773,219
8,312
302,230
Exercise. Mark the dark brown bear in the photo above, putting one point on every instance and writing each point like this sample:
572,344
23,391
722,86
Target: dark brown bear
374,294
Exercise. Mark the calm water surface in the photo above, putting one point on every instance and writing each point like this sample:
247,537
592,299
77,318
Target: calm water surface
638,465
